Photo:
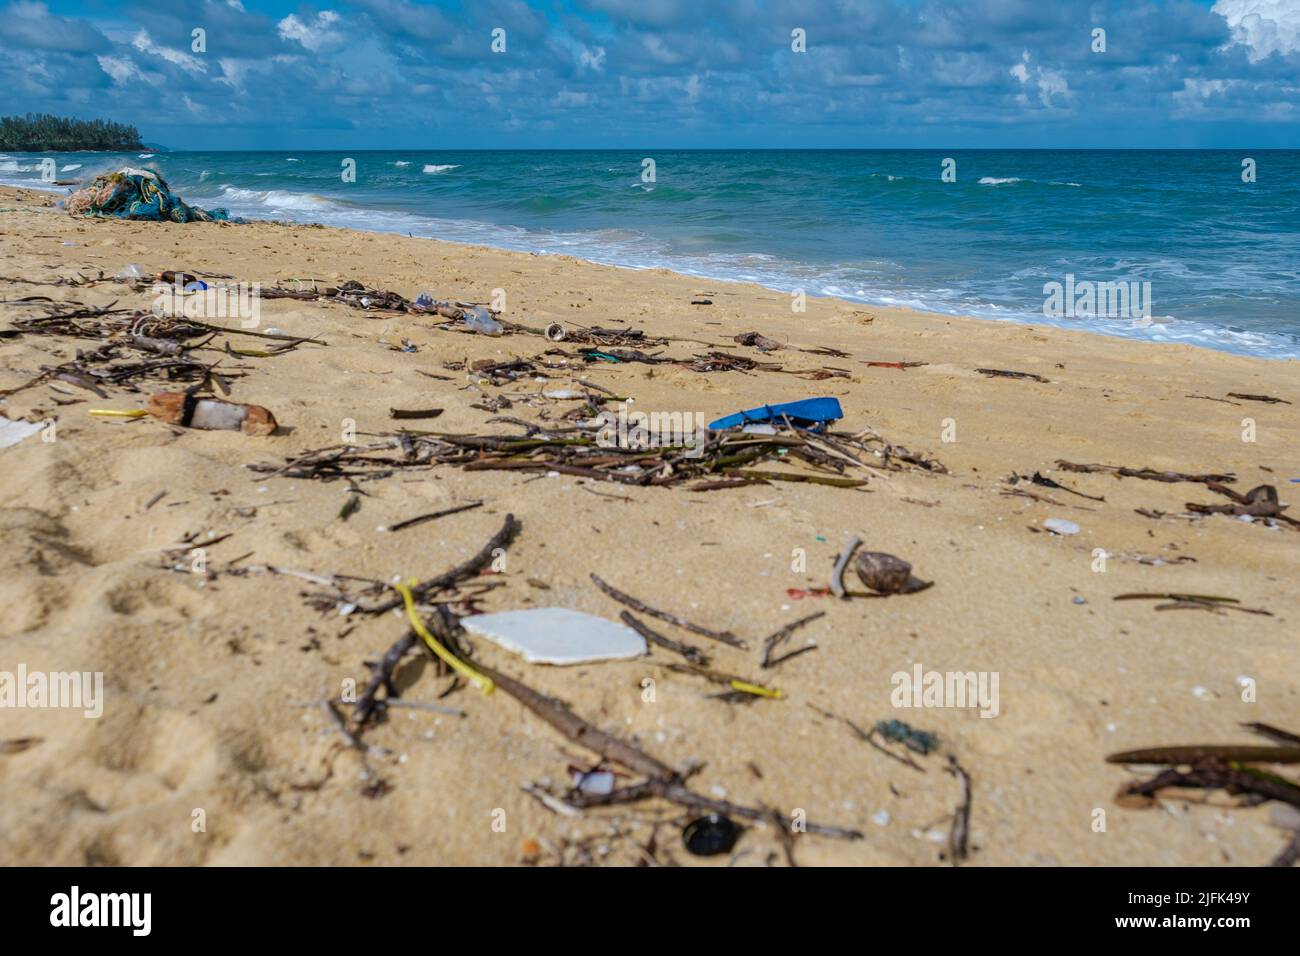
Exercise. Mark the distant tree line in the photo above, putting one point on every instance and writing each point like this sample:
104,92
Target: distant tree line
40,132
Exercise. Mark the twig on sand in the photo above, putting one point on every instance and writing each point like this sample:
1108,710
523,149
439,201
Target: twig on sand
1149,474
692,654
382,677
959,835
779,637
1290,853
421,519
869,737
663,781
461,572
726,637
842,562
1274,733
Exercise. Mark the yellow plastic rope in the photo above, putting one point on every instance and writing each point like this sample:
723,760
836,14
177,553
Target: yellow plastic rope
116,413
452,661
755,689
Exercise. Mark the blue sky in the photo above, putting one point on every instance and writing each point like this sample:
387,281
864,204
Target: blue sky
664,73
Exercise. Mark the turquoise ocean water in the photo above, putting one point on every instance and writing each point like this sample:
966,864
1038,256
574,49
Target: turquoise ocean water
1222,256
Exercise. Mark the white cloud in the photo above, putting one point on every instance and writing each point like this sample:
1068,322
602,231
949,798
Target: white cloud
120,69
316,35
186,61
1264,26
592,59
1048,83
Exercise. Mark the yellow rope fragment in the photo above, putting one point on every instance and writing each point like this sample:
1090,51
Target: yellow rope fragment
118,413
452,661
755,689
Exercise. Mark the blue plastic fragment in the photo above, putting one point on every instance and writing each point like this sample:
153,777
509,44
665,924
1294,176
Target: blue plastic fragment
806,413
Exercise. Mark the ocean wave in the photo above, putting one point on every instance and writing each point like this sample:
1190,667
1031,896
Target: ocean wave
995,181
276,199
440,169
401,162
146,156
70,167
13,166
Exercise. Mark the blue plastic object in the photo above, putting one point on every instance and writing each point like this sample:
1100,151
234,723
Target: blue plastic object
806,413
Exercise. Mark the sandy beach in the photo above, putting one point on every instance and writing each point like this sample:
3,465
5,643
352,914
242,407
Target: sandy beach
213,680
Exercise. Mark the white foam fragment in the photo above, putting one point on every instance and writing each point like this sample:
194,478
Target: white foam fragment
1061,526
557,635
11,432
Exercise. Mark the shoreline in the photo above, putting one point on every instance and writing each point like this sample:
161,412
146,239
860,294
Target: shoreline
1252,343
206,673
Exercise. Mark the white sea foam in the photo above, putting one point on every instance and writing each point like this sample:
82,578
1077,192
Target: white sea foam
440,169
70,167
401,162
275,199
995,181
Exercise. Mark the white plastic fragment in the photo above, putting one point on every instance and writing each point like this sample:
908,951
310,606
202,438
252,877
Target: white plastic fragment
12,432
557,635
1061,526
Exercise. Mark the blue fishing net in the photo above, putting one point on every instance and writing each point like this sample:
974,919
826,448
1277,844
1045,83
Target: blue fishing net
137,194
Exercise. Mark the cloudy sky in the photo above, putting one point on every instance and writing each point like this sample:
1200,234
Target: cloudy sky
663,73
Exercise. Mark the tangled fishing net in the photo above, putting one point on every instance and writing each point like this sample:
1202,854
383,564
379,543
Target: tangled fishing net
136,194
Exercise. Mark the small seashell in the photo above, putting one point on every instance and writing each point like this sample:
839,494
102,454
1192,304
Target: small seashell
712,835
884,573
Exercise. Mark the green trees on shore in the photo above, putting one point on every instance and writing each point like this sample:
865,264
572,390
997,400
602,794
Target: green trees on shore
40,132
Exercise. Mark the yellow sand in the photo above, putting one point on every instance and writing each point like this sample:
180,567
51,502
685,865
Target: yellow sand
212,684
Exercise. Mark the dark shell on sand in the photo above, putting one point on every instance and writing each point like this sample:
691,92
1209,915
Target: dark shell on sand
887,574
712,835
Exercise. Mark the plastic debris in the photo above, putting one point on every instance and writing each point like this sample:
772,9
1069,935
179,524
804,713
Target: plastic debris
1060,526
807,413
136,194
481,321
593,781
12,432
920,741
189,411
557,635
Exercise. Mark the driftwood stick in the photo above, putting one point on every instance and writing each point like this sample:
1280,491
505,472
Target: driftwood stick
959,835
558,715
779,637
663,780
1197,752
842,562
382,677
1216,775
726,637
1149,474
462,572
692,654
